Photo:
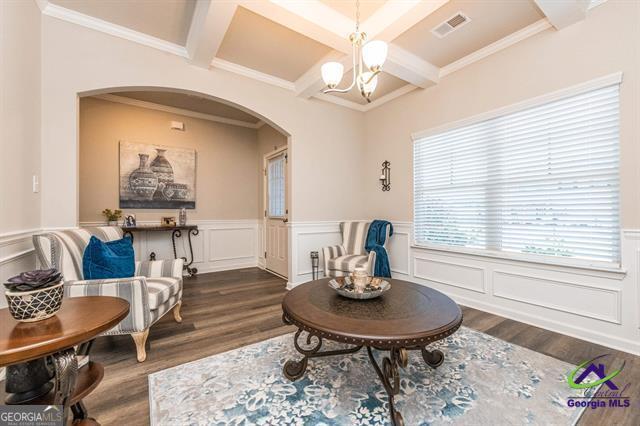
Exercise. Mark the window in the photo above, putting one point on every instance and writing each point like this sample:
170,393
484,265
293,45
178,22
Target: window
276,183
541,181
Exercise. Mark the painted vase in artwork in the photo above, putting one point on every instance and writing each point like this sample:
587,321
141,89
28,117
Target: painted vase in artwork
163,170
143,181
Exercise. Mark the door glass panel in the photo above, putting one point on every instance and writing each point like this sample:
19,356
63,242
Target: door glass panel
276,186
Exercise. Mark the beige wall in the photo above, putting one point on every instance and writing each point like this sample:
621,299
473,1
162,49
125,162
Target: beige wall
226,170
269,139
606,42
19,114
79,60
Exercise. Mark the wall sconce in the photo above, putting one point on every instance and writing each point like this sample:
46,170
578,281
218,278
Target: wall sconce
385,176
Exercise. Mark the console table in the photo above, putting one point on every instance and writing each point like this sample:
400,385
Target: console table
176,232
47,348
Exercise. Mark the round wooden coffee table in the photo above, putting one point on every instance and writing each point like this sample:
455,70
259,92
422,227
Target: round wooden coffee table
407,317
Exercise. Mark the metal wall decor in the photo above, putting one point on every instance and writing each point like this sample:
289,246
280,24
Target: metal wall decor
385,176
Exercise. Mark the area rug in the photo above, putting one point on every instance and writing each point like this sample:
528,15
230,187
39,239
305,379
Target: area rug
483,381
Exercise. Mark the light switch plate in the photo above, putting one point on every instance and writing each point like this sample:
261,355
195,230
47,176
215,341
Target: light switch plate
36,184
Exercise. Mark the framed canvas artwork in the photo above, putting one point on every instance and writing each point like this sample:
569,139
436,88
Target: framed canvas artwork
157,177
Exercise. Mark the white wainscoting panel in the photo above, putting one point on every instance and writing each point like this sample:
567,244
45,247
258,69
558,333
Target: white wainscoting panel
219,245
449,273
16,255
306,237
599,306
398,249
571,297
238,244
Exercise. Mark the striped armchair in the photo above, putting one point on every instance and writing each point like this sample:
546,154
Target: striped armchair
342,259
155,288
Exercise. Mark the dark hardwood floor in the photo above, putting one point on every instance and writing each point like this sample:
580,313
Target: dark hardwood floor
226,310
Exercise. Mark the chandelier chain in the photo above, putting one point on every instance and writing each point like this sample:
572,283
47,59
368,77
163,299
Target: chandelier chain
357,15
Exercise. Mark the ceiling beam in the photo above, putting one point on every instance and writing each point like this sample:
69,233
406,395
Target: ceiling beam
303,17
210,22
410,68
561,14
395,17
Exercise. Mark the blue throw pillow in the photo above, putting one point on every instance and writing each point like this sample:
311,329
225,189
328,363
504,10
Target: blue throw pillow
112,259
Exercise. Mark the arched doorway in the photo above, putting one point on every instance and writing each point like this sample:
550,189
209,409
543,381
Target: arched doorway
234,230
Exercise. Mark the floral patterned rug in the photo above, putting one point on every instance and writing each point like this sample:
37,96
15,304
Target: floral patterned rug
483,381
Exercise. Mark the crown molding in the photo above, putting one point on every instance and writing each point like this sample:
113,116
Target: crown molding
368,107
181,111
401,62
251,73
503,43
87,21
340,101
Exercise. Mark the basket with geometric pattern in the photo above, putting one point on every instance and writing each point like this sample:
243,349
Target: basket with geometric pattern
35,305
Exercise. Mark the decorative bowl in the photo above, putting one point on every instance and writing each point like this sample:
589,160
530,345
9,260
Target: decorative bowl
35,305
375,287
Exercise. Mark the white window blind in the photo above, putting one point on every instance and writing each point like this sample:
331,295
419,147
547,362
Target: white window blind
276,186
540,181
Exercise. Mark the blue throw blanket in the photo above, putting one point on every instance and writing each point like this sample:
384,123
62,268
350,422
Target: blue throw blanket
375,241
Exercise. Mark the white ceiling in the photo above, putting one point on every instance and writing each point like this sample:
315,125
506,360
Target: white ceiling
257,43
284,42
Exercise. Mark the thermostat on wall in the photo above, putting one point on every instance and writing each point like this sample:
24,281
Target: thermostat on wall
177,125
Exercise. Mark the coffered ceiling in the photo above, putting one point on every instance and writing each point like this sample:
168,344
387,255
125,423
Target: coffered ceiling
285,42
167,20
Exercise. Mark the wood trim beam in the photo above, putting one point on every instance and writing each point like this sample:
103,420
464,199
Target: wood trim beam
303,17
210,22
396,17
251,73
561,14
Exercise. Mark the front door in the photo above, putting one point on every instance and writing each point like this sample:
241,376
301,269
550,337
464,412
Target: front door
276,235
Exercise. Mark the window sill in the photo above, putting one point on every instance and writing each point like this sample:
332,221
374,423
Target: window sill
615,272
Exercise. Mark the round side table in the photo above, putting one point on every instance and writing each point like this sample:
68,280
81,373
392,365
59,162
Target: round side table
50,345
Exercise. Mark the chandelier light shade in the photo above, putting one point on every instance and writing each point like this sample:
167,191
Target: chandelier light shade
367,63
332,73
374,54
368,83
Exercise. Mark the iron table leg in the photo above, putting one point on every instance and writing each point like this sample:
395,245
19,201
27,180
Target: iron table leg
66,371
390,377
187,263
190,270
294,369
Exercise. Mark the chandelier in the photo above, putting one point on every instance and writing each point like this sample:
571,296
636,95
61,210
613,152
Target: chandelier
370,55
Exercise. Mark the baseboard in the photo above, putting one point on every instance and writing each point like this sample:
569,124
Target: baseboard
227,267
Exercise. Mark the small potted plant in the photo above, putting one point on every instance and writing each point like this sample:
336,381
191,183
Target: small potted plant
34,295
112,216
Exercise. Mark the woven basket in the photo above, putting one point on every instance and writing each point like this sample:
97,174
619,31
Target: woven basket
35,305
